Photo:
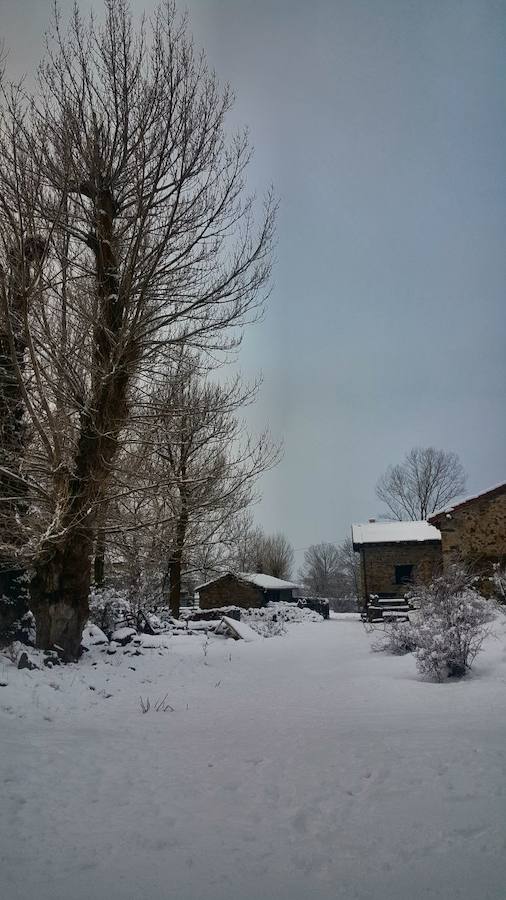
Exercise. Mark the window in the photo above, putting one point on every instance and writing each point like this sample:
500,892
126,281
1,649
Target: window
403,574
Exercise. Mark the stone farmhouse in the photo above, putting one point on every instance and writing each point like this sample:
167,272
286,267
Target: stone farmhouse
393,556
473,531
245,590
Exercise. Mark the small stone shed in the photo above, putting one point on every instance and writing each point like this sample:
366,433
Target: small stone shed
245,590
473,530
395,555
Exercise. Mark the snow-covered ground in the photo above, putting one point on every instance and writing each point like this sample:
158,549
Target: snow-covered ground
294,767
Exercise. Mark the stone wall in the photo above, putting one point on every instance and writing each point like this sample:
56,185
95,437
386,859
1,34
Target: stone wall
476,532
230,591
378,562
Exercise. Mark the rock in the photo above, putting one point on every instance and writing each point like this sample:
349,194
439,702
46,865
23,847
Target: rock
25,663
93,636
124,636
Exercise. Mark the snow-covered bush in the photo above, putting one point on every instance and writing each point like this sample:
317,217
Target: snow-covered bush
268,627
108,608
112,608
398,638
270,620
452,624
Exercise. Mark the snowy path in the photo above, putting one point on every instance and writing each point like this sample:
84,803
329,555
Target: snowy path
291,768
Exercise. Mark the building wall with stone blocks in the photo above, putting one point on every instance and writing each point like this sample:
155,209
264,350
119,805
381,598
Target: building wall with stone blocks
475,531
230,591
378,564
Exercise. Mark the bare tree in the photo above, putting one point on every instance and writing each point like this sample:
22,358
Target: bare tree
330,570
121,162
425,481
272,555
321,569
349,567
208,466
184,478
242,539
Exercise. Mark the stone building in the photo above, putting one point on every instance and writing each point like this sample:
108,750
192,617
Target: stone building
245,590
394,556
474,531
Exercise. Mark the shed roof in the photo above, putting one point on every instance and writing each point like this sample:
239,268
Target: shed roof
494,491
264,582
393,533
267,582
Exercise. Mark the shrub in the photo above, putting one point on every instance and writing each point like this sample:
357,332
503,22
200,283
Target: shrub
398,638
269,627
109,608
452,625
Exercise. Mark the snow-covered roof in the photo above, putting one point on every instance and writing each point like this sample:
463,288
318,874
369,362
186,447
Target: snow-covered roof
394,533
265,582
493,491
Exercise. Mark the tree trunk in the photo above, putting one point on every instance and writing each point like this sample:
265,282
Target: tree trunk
176,559
175,584
99,559
59,596
99,562
61,583
60,586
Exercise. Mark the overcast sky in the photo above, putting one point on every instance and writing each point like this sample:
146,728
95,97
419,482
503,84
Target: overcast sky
382,126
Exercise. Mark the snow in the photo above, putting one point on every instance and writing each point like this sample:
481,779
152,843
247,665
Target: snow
243,631
123,634
295,767
345,616
267,582
394,532
282,612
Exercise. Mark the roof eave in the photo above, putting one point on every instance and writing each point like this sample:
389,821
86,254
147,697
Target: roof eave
434,541
442,514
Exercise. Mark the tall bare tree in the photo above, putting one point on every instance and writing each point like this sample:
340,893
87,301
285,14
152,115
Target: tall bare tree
271,554
350,567
208,466
330,570
122,161
321,569
425,481
243,540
